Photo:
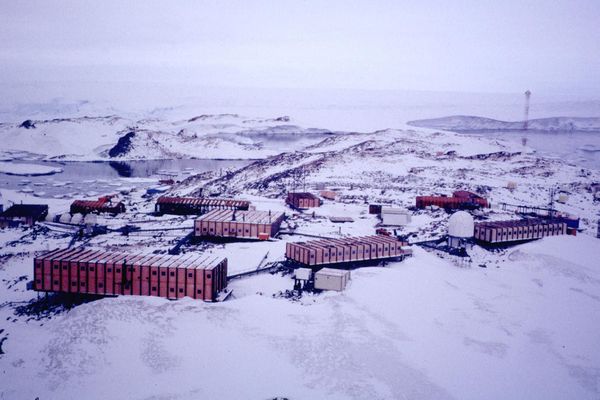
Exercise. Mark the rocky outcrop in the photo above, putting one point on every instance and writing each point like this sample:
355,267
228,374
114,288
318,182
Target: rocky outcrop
123,146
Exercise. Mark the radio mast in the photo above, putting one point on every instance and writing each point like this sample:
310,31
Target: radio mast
526,119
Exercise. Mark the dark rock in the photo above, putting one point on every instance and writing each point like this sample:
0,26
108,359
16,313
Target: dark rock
27,124
123,146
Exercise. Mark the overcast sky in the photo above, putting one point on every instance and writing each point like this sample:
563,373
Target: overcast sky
482,46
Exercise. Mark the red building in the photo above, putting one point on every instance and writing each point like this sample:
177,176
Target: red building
108,273
345,250
104,204
460,199
197,205
302,200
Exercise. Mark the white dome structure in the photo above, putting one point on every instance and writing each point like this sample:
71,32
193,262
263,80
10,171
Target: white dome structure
461,225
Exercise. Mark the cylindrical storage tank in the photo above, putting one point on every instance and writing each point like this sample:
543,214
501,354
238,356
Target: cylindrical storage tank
77,219
65,218
461,225
51,217
90,219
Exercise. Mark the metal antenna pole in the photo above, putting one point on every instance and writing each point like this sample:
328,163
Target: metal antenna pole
526,117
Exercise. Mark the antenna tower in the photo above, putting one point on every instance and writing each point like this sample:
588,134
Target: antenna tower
526,119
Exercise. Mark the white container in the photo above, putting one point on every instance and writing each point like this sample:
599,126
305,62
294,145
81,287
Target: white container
303,274
394,216
331,279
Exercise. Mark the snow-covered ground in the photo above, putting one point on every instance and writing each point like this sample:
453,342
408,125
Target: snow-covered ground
523,327
515,323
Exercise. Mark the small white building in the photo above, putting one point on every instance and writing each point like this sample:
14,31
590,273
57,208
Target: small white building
303,274
394,216
461,228
331,279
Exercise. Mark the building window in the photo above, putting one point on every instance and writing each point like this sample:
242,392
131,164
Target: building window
190,275
172,274
154,288
172,290
163,273
82,284
92,269
180,290
199,291
82,269
109,270
118,270
64,267
208,276
56,282
38,281
73,283
56,267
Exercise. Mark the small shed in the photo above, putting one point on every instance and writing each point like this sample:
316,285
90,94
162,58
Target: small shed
375,208
302,200
327,194
331,279
303,274
23,214
394,216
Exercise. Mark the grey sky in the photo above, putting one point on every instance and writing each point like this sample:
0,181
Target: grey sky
485,46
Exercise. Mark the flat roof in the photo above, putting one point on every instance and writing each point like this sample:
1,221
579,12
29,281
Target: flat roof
187,261
202,201
25,210
517,223
302,195
250,217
